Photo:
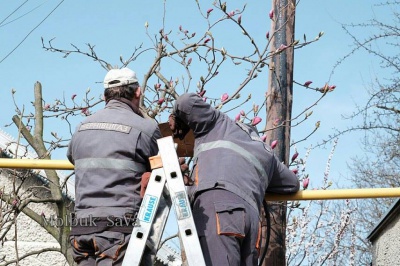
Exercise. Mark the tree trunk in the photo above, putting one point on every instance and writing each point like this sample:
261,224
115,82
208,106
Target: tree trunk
279,109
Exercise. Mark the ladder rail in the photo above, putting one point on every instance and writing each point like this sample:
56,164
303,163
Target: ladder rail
180,202
165,189
145,219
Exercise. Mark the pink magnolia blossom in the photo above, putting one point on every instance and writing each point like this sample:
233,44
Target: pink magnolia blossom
85,111
242,113
201,94
189,61
295,171
332,87
307,83
267,35
295,156
271,14
231,14
273,144
207,40
282,47
240,19
160,101
73,96
209,11
205,99
306,181
46,107
256,121
224,97
263,138
237,117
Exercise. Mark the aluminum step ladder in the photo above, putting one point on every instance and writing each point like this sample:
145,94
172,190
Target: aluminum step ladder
165,189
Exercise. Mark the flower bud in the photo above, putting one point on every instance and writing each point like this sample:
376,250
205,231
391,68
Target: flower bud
271,14
263,138
307,83
160,101
273,144
306,181
295,156
73,96
237,117
256,121
224,97
255,108
201,94
14,202
282,47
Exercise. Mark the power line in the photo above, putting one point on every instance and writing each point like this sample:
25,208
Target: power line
13,12
30,31
2,25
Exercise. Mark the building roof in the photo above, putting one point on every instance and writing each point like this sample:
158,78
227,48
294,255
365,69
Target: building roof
393,211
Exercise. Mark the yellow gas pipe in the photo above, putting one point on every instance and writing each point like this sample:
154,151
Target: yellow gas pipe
301,195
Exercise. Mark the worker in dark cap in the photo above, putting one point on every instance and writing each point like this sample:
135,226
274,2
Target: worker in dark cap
232,170
110,151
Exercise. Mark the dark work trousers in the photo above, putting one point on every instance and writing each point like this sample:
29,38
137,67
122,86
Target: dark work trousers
102,249
228,228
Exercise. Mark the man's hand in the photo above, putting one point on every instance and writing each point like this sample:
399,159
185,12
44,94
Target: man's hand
144,182
178,128
185,172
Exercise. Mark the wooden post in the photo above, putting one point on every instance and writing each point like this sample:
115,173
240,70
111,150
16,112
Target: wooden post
279,109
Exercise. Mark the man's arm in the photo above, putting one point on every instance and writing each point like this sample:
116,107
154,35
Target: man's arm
283,180
69,153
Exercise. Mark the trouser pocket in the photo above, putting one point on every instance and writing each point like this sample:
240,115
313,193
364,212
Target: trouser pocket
230,219
82,247
109,244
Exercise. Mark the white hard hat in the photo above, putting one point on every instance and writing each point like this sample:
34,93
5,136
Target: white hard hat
119,77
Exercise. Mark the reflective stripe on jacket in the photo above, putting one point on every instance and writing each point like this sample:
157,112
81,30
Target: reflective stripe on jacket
230,155
110,151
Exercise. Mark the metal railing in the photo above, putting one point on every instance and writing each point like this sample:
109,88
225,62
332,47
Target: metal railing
301,195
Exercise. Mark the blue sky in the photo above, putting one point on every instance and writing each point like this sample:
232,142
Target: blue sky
117,27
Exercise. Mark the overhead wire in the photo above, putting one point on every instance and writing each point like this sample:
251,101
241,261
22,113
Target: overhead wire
23,15
13,12
30,32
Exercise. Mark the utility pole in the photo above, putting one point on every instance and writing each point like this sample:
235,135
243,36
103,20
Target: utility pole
279,109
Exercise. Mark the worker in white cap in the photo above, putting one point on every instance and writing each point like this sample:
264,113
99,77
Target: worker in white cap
110,151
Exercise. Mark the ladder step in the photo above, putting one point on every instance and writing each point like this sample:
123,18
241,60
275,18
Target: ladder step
165,189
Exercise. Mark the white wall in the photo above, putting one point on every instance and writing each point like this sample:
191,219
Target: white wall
385,248
30,235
